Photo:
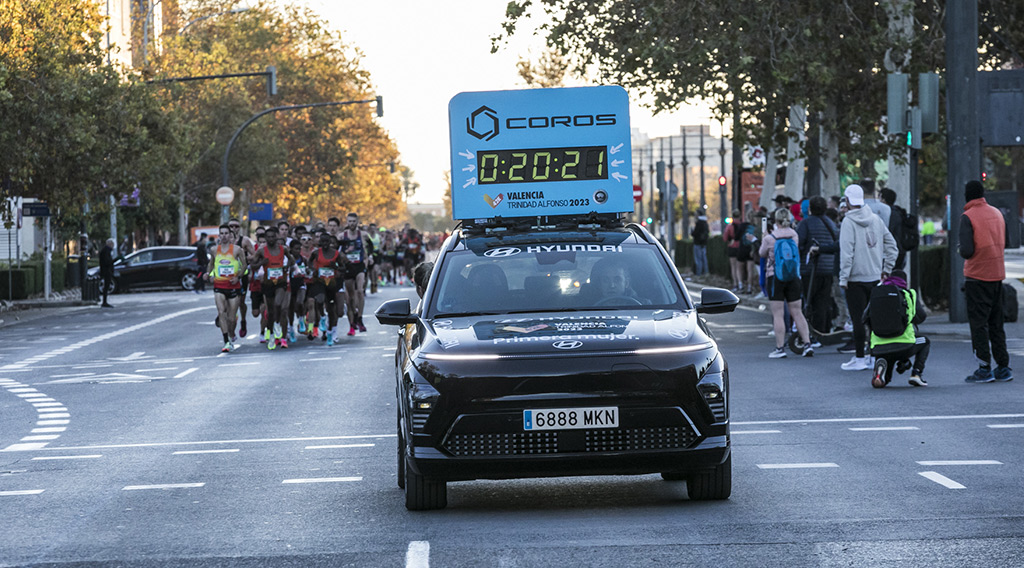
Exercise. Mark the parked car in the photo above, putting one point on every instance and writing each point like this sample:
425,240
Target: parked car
154,267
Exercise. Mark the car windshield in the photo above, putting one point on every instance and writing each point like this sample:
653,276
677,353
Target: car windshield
553,277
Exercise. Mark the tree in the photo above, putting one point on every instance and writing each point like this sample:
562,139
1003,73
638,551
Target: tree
547,72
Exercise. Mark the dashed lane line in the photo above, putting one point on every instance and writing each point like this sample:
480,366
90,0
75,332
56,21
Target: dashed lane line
1006,425
78,457
796,465
321,480
17,493
756,432
164,486
941,480
884,429
418,554
186,373
213,442
193,452
340,446
959,462
879,419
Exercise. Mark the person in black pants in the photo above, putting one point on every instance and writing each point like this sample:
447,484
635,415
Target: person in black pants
818,247
203,259
107,270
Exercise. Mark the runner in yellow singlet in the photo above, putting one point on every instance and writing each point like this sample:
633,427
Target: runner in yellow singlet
225,270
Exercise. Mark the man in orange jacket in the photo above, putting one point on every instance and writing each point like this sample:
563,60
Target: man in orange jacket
982,239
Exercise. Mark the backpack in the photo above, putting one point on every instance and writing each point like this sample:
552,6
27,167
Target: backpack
787,260
903,227
745,242
887,310
1010,305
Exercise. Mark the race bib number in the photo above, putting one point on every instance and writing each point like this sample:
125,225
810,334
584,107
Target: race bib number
353,257
276,273
225,271
326,273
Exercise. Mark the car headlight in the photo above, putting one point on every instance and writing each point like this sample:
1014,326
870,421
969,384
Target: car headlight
422,396
712,388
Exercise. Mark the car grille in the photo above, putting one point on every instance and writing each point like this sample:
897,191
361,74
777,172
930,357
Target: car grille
570,441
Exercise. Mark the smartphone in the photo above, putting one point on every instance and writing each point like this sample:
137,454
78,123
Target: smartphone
764,225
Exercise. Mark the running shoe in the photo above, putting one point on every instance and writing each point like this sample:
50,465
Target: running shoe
809,351
1003,374
302,325
266,336
856,364
917,381
878,378
330,338
226,348
362,327
284,344
351,331
278,332
779,353
323,322
271,345
291,334
243,331
981,375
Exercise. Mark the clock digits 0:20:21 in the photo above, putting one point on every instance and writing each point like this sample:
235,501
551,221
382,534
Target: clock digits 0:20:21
542,164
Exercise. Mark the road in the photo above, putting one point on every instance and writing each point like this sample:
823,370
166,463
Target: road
127,439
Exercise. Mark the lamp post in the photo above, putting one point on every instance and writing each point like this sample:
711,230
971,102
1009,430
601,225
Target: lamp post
686,196
703,200
224,214
721,188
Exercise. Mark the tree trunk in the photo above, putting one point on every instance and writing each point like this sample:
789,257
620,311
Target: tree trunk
794,163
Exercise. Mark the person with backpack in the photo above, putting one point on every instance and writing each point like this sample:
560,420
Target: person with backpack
893,314
867,252
819,243
902,225
782,249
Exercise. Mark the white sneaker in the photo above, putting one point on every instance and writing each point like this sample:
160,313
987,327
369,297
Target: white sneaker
856,364
816,344
779,353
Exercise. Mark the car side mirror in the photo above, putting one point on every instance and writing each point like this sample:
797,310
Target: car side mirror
395,312
717,301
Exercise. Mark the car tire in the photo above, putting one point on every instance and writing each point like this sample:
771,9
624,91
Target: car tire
113,287
422,494
188,281
712,484
401,456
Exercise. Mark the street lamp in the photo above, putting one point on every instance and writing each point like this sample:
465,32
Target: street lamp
224,214
721,177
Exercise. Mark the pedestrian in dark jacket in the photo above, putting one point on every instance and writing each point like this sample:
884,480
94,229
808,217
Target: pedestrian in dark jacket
202,259
819,243
700,234
107,270
982,239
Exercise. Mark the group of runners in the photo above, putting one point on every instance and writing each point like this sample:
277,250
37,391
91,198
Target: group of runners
301,280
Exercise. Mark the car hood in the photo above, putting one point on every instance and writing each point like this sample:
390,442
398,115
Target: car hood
577,334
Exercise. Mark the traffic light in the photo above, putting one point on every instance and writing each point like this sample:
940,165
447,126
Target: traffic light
721,182
648,222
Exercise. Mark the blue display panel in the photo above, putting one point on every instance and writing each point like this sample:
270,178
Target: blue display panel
540,152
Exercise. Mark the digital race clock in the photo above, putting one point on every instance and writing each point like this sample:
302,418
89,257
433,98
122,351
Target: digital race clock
540,152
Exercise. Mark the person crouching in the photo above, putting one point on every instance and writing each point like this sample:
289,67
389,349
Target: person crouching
893,349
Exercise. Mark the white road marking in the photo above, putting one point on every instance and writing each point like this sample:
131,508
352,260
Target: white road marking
24,447
795,465
80,457
186,372
40,438
52,422
322,480
47,430
102,365
164,486
47,404
22,390
878,419
959,462
1006,425
321,359
58,408
239,364
72,375
35,397
189,452
418,554
155,370
941,480
340,446
55,415
210,442
16,493
756,432
884,429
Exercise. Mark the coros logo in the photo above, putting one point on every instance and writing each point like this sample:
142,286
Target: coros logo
502,252
567,344
489,120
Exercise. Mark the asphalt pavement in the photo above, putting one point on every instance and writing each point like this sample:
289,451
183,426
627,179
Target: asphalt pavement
127,439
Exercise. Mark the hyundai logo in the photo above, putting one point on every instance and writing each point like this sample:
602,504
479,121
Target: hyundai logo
502,252
489,121
567,344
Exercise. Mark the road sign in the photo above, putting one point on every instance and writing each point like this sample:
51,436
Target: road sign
225,195
261,211
638,193
540,152
35,210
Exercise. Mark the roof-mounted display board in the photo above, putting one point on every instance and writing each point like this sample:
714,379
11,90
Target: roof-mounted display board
540,152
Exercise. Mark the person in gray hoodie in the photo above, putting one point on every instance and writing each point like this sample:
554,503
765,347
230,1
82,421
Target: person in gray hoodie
867,253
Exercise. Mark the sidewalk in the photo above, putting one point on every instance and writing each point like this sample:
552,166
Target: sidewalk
18,311
937,323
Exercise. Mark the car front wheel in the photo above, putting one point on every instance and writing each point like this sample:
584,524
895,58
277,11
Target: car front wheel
188,280
712,484
421,494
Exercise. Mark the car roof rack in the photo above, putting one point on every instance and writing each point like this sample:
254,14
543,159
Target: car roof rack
497,226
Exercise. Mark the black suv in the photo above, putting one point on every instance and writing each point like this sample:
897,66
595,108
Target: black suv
553,351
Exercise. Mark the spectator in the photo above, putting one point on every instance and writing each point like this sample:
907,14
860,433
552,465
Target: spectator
818,244
752,236
895,225
732,236
107,270
928,231
421,277
867,252
896,351
880,209
126,247
982,239
203,259
700,234
783,292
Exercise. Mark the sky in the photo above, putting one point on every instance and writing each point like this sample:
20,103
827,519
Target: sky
420,54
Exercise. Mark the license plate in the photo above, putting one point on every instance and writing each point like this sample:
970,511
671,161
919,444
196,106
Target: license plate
571,418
